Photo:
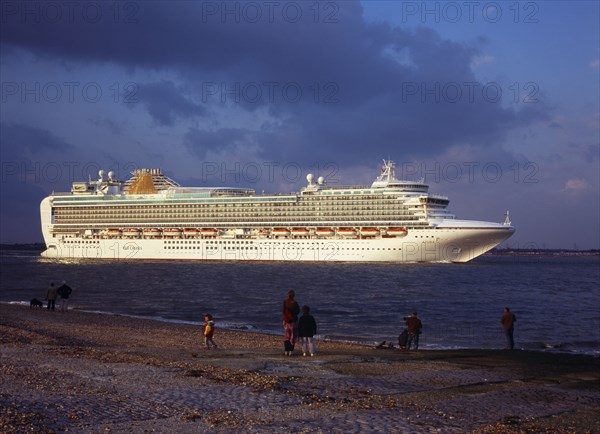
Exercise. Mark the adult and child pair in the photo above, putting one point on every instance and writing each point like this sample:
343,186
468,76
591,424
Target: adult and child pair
304,327
409,338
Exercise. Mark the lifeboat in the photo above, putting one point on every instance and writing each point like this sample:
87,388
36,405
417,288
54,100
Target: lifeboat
152,232
396,232
324,231
131,232
280,231
114,232
369,232
172,232
209,232
190,232
299,231
346,232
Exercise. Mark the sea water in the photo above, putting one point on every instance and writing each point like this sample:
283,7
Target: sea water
556,299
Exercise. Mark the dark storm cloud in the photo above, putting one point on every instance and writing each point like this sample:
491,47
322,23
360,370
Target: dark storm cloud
165,103
26,176
108,124
199,142
360,88
18,140
158,33
20,201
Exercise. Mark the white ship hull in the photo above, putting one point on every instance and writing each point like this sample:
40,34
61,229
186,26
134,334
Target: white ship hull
432,245
151,217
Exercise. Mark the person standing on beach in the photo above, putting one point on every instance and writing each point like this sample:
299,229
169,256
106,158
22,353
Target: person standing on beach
65,292
307,329
290,323
209,331
414,326
403,339
51,296
508,325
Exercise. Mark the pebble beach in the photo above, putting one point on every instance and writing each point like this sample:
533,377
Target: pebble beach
92,373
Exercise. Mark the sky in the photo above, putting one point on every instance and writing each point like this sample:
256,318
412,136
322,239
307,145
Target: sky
495,104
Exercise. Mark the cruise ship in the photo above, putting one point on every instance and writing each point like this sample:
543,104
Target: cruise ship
150,216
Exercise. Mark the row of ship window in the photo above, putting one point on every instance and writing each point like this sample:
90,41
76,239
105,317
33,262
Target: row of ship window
218,220
209,242
328,247
237,242
150,213
235,247
246,213
355,223
279,208
298,221
245,210
310,201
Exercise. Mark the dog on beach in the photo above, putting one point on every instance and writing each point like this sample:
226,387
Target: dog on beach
386,345
35,303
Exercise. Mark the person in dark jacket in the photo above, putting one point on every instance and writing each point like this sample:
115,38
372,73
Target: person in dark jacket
414,325
307,329
290,323
508,325
64,291
403,339
51,296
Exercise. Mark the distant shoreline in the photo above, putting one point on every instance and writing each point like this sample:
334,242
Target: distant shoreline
542,252
494,252
23,246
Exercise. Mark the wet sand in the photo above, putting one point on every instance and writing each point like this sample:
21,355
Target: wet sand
83,372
